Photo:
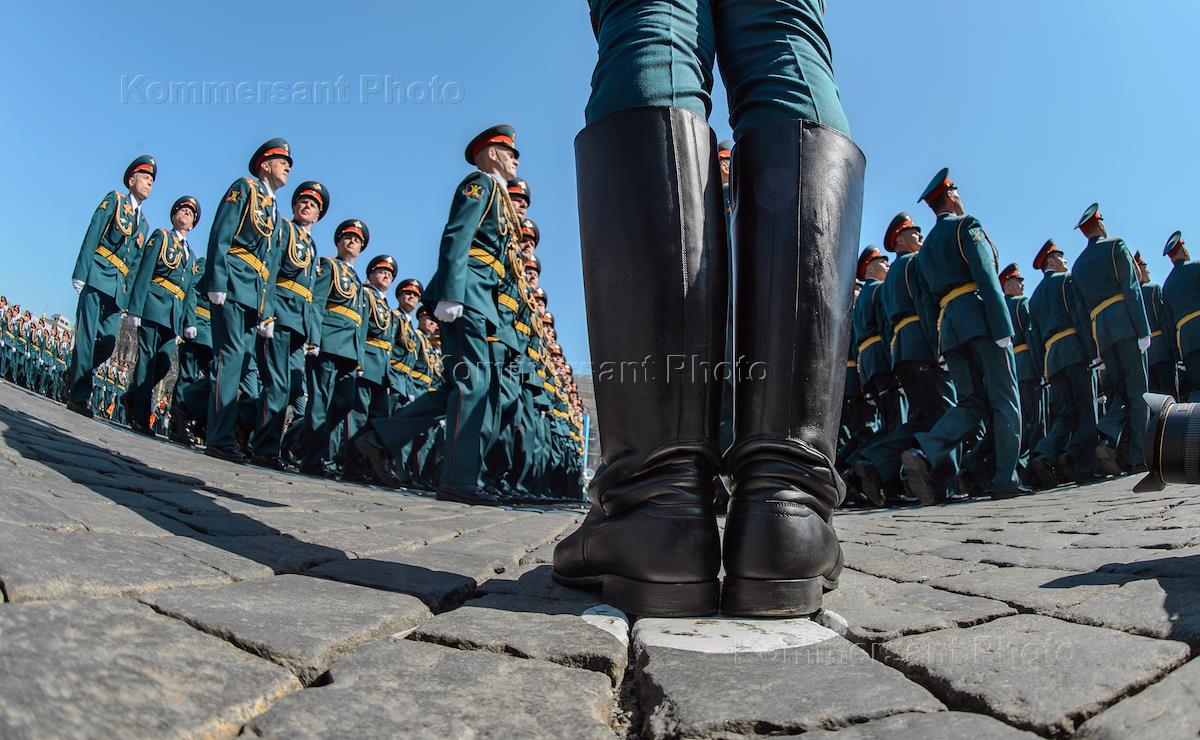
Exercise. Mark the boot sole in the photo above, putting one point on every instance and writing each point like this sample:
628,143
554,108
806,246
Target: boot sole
748,597
650,599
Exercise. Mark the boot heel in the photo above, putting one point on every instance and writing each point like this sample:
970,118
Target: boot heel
747,597
647,599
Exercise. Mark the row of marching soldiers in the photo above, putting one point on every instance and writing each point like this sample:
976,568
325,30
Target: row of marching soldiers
283,356
960,385
33,351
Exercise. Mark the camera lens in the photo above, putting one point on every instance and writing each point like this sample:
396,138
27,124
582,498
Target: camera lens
1172,443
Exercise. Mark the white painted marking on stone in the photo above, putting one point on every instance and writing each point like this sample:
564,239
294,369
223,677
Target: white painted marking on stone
833,621
610,619
725,635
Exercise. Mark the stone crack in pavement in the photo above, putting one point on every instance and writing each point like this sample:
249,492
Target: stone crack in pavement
147,590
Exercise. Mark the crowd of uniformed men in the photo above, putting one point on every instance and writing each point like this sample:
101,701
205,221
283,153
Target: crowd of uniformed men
289,359
959,385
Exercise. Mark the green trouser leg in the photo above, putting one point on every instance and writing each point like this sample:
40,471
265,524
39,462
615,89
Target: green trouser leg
1031,419
469,393
331,393
500,449
370,402
410,421
97,322
233,352
194,386
529,442
774,55
278,359
1189,380
1127,414
985,378
1162,379
1073,431
154,362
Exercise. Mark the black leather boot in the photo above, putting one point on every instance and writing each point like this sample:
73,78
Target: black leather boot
655,267
797,207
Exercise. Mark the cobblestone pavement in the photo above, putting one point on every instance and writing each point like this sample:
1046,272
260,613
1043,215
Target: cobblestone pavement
151,591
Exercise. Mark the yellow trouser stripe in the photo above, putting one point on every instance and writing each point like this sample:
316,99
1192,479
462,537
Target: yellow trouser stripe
380,343
1050,343
349,313
250,259
117,262
296,288
171,287
487,258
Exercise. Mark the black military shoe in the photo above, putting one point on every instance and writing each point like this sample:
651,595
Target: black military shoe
478,498
271,462
181,432
1013,492
1106,457
319,470
142,429
79,409
920,475
871,483
1042,472
369,445
228,455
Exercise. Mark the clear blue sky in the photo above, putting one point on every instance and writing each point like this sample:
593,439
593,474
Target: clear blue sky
1040,107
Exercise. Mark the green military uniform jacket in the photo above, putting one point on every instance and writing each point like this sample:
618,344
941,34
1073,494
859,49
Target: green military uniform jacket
1054,332
405,347
473,256
380,332
162,292
1181,301
201,308
294,280
904,332
1107,295
112,248
867,319
1018,313
1162,346
959,292
242,254
343,309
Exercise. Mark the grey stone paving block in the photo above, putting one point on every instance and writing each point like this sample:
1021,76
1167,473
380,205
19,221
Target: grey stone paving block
34,510
1017,535
919,545
1014,668
228,561
390,688
708,676
280,553
1036,589
576,634
541,554
1168,709
877,609
898,566
1163,539
105,517
37,564
1167,608
438,585
934,726
534,580
1183,563
302,623
114,668
1064,559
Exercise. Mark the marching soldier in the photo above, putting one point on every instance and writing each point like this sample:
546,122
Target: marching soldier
371,396
1029,380
926,385
406,382
333,367
1181,301
1160,359
959,295
239,282
1106,290
108,260
295,322
473,263
162,308
189,400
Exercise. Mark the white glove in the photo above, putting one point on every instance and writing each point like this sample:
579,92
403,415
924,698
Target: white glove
448,311
135,321
312,350
1143,344
77,285
189,332
217,299
266,331
1097,364
1004,343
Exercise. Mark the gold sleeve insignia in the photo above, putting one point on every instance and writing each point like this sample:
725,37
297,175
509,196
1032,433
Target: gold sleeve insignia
474,191
104,204
233,196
